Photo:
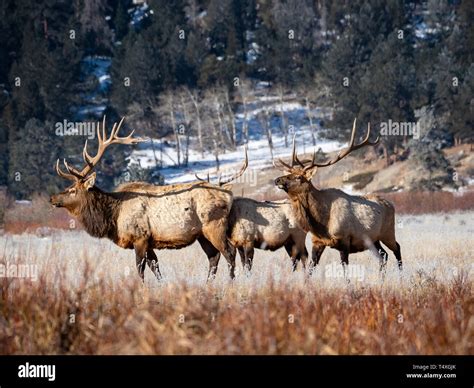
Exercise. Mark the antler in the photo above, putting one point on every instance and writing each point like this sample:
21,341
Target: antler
104,142
201,179
294,159
233,177
343,153
69,175
238,174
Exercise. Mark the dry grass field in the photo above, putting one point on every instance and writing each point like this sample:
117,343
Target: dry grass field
83,296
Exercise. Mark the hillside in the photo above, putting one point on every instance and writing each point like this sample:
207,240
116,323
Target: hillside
361,174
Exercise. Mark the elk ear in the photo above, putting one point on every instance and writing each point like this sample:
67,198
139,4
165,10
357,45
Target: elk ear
90,181
227,186
310,172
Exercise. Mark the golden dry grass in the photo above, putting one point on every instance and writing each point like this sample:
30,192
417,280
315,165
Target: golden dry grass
88,299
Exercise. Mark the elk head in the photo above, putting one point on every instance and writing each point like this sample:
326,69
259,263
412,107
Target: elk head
301,172
84,180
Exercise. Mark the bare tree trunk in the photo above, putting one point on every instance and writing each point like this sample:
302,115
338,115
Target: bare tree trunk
216,146
186,129
245,127
268,131
161,152
154,153
310,118
246,124
231,118
221,124
175,130
195,102
283,121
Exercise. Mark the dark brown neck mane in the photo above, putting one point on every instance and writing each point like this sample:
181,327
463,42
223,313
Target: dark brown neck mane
99,213
312,215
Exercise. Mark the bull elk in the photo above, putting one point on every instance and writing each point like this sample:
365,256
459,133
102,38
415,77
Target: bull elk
144,217
338,220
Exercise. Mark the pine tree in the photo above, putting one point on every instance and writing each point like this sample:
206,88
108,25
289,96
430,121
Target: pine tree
438,170
43,82
371,68
452,76
32,158
121,20
136,73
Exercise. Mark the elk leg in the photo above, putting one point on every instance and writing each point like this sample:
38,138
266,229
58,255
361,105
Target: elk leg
215,233
152,262
246,256
249,258
303,256
383,256
398,255
229,254
243,259
344,261
141,258
212,254
213,264
291,250
316,253
394,246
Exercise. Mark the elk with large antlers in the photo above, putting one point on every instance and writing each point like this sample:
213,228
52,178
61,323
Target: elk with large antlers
142,216
345,222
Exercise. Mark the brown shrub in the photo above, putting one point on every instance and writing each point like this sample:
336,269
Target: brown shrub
35,215
423,202
416,202
98,318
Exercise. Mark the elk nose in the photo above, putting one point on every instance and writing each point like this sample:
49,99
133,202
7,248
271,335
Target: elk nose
53,202
279,182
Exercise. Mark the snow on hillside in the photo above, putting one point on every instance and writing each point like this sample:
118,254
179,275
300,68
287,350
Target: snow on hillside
230,161
258,152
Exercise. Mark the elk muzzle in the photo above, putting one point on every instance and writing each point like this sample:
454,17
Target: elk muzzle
281,183
56,200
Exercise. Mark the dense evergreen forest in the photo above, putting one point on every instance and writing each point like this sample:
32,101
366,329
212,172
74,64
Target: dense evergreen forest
160,62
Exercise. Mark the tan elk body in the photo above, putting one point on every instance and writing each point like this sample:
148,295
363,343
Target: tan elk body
265,225
348,223
172,216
